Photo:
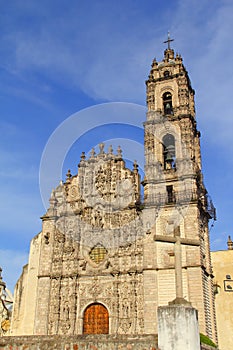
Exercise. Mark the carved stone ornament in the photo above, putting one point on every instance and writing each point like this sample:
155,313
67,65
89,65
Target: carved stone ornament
125,325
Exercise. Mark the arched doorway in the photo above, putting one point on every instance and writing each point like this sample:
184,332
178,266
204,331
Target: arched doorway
96,319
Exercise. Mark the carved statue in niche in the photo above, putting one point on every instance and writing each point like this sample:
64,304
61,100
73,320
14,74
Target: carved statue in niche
54,306
87,215
65,312
150,100
100,180
149,140
68,300
125,308
98,222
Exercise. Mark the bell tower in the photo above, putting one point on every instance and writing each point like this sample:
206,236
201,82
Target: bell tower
177,205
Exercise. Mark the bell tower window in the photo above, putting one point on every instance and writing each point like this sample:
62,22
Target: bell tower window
169,152
170,194
167,103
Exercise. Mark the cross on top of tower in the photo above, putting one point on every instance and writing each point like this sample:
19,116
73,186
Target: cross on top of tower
168,41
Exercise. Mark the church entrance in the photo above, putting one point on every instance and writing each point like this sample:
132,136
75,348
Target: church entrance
96,319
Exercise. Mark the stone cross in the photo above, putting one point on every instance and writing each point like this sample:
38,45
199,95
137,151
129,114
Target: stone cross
178,242
178,265
168,41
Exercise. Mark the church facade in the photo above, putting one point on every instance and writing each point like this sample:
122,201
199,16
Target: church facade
106,259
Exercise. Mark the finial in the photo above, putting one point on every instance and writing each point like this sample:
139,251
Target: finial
168,41
154,63
119,151
92,153
230,243
110,150
83,157
135,165
52,199
101,147
68,175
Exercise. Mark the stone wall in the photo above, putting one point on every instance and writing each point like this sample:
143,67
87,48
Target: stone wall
207,347
82,342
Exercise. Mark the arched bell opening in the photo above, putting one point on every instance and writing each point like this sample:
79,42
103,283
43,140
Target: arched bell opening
96,319
169,152
167,103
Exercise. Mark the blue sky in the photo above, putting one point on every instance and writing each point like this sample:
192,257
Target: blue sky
59,57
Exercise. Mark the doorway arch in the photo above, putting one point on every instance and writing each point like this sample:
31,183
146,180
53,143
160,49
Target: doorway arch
96,319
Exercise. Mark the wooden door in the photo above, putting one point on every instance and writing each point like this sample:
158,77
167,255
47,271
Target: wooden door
96,319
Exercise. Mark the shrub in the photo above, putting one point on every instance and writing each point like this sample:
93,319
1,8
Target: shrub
206,340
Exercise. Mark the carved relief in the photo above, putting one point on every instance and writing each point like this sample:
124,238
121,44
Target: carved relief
54,306
150,99
149,140
67,307
59,236
73,192
96,241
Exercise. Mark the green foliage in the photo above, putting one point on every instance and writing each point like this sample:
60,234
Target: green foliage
206,340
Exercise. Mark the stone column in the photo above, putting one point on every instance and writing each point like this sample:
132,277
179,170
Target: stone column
178,328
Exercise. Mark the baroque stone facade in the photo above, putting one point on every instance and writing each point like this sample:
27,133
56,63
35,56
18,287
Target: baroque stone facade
90,250
102,245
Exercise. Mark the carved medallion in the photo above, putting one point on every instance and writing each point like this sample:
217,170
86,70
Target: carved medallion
74,192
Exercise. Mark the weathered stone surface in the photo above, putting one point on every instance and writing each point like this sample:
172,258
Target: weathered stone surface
178,328
83,342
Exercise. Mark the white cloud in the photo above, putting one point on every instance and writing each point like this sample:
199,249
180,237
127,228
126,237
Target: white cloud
203,32
94,53
107,52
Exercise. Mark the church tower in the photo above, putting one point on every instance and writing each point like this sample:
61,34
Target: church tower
176,204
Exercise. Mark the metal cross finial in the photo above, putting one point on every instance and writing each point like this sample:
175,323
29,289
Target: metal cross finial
168,41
